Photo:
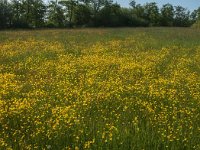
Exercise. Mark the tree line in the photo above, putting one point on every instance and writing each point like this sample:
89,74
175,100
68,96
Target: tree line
91,13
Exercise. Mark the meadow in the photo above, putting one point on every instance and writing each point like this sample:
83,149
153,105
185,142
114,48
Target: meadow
123,88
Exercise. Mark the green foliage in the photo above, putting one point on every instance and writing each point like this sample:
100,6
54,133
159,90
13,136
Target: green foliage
5,14
110,15
56,16
69,8
167,15
151,14
72,13
82,15
29,13
182,16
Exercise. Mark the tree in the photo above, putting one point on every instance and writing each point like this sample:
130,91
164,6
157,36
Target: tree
195,15
16,10
182,17
167,15
27,6
38,14
110,15
132,3
55,15
82,15
137,15
95,6
198,13
35,14
151,13
5,14
195,18
70,8
28,13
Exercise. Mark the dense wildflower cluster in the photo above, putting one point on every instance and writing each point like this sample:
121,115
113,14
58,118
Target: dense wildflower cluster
106,95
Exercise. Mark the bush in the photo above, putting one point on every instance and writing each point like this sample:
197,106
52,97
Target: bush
196,25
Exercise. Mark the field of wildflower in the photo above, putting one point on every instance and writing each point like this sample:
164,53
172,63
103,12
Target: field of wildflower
100,89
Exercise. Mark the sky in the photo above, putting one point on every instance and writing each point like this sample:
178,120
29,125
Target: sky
189,4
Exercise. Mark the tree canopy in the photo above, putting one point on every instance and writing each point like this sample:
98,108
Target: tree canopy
91,13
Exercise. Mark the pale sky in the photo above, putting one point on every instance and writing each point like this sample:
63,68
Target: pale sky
189,4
